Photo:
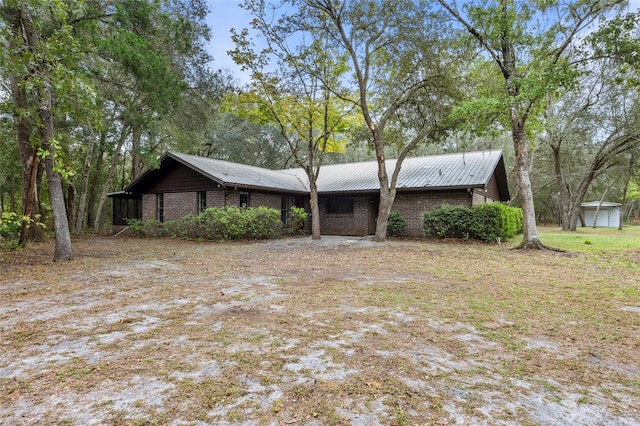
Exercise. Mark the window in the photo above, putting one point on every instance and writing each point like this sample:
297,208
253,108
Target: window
244,199
284,209
160,207
202,201
339,205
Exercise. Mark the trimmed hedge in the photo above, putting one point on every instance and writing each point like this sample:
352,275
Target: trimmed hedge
485,222
221,224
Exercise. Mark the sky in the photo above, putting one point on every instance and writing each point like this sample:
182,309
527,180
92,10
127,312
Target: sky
224,15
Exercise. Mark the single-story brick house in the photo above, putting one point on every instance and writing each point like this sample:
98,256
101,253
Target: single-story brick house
348,193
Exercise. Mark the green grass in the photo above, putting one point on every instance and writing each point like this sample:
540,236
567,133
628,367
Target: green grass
590,240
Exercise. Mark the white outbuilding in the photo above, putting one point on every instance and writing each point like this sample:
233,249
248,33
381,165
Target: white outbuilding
608,214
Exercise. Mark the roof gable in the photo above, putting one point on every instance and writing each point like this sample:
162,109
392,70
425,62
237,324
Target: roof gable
220,173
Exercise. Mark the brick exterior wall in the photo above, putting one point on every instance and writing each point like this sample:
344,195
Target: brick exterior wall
345,224
215,198
180,204
257,199
412,205
148,206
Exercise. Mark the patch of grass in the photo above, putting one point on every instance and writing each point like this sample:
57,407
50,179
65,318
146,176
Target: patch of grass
592,240
26,333
75,372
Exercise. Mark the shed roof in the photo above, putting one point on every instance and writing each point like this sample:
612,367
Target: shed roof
595,204
448,171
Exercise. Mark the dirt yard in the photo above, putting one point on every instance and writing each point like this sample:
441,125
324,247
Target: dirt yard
293,332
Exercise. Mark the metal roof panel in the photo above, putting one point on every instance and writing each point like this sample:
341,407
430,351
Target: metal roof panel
438,171
243,175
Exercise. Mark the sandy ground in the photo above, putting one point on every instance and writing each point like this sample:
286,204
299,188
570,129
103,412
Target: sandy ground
340,331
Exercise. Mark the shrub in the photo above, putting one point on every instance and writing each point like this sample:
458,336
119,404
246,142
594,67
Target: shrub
486,222
448,222
396,224
229,223
146,228
262,222
297,217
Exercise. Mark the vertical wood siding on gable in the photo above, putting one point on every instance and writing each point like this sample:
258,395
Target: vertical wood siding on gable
493,193
179,178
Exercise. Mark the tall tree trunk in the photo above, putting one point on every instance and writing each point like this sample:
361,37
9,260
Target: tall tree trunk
628,177
84,189
28,154
30,192
563,191
315,211
595,217
110,176
94,182
136,160
530,238
71,203
63,250
387,195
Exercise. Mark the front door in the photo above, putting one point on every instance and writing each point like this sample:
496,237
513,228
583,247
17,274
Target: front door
374,205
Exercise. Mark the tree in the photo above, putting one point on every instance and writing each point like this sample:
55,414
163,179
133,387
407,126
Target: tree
39,58
293,96
146,59
10,167
590,132
401,70
528,42
234,138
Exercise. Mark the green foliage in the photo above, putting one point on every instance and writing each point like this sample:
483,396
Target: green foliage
297,217
485,222
219,224
146,228
10,225
396,224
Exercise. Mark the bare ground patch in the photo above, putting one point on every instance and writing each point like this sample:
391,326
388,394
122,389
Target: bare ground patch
341,331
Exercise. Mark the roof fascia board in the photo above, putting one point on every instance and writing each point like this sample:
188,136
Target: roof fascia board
237,187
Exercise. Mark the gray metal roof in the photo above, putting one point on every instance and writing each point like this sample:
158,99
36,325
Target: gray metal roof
467,170
242,175
595,204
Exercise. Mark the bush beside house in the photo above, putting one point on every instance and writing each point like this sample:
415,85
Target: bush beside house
222,224
485,222
396,225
